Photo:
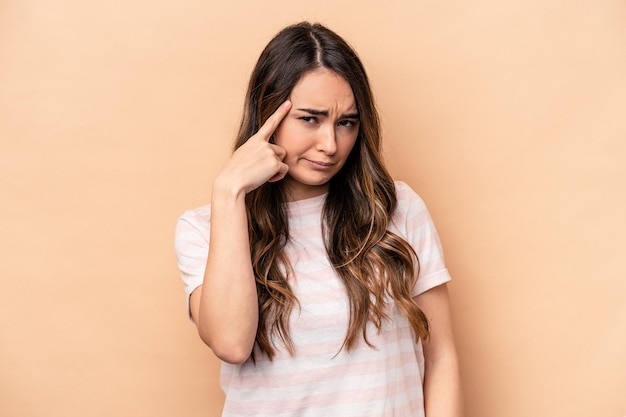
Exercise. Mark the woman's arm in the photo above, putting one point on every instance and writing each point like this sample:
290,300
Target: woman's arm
442,385
225,306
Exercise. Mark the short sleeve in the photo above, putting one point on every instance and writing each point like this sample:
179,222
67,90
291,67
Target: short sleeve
412,220
191,245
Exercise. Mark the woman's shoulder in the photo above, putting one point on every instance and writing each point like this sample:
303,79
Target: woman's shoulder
199,218
407,197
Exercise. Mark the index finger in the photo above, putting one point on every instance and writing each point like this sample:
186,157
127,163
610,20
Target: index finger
274,120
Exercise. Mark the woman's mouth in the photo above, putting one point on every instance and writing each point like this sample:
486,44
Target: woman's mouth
320,164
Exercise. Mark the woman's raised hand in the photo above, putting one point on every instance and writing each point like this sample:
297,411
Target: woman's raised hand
257,161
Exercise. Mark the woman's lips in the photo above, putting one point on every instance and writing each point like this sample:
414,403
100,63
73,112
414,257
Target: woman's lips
320,164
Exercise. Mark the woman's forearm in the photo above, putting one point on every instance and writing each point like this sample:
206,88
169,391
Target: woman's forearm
442,387
228,308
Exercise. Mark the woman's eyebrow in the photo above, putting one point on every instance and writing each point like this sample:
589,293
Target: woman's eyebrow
316,112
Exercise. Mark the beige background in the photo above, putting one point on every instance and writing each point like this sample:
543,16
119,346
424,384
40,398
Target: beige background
508,117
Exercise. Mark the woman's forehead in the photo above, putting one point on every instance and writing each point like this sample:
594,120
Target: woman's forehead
323,90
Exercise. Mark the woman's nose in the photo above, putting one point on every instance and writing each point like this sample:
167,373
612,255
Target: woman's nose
327,142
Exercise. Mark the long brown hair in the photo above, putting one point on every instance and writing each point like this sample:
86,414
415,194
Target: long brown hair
373,263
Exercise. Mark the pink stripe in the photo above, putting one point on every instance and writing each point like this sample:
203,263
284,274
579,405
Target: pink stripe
357,397
253,379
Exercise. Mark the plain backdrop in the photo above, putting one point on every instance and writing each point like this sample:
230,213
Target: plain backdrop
508,117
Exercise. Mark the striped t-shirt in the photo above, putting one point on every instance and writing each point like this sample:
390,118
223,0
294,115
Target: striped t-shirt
321,380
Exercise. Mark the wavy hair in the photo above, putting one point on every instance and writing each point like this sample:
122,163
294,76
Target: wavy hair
375,265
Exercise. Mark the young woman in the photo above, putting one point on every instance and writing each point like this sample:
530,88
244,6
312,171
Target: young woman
317,280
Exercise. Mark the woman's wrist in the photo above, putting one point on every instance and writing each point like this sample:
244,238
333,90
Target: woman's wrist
226,190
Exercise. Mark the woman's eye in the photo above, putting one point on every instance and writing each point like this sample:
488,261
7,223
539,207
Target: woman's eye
308,119
347,123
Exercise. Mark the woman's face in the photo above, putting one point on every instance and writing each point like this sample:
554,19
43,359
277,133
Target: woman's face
318,133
